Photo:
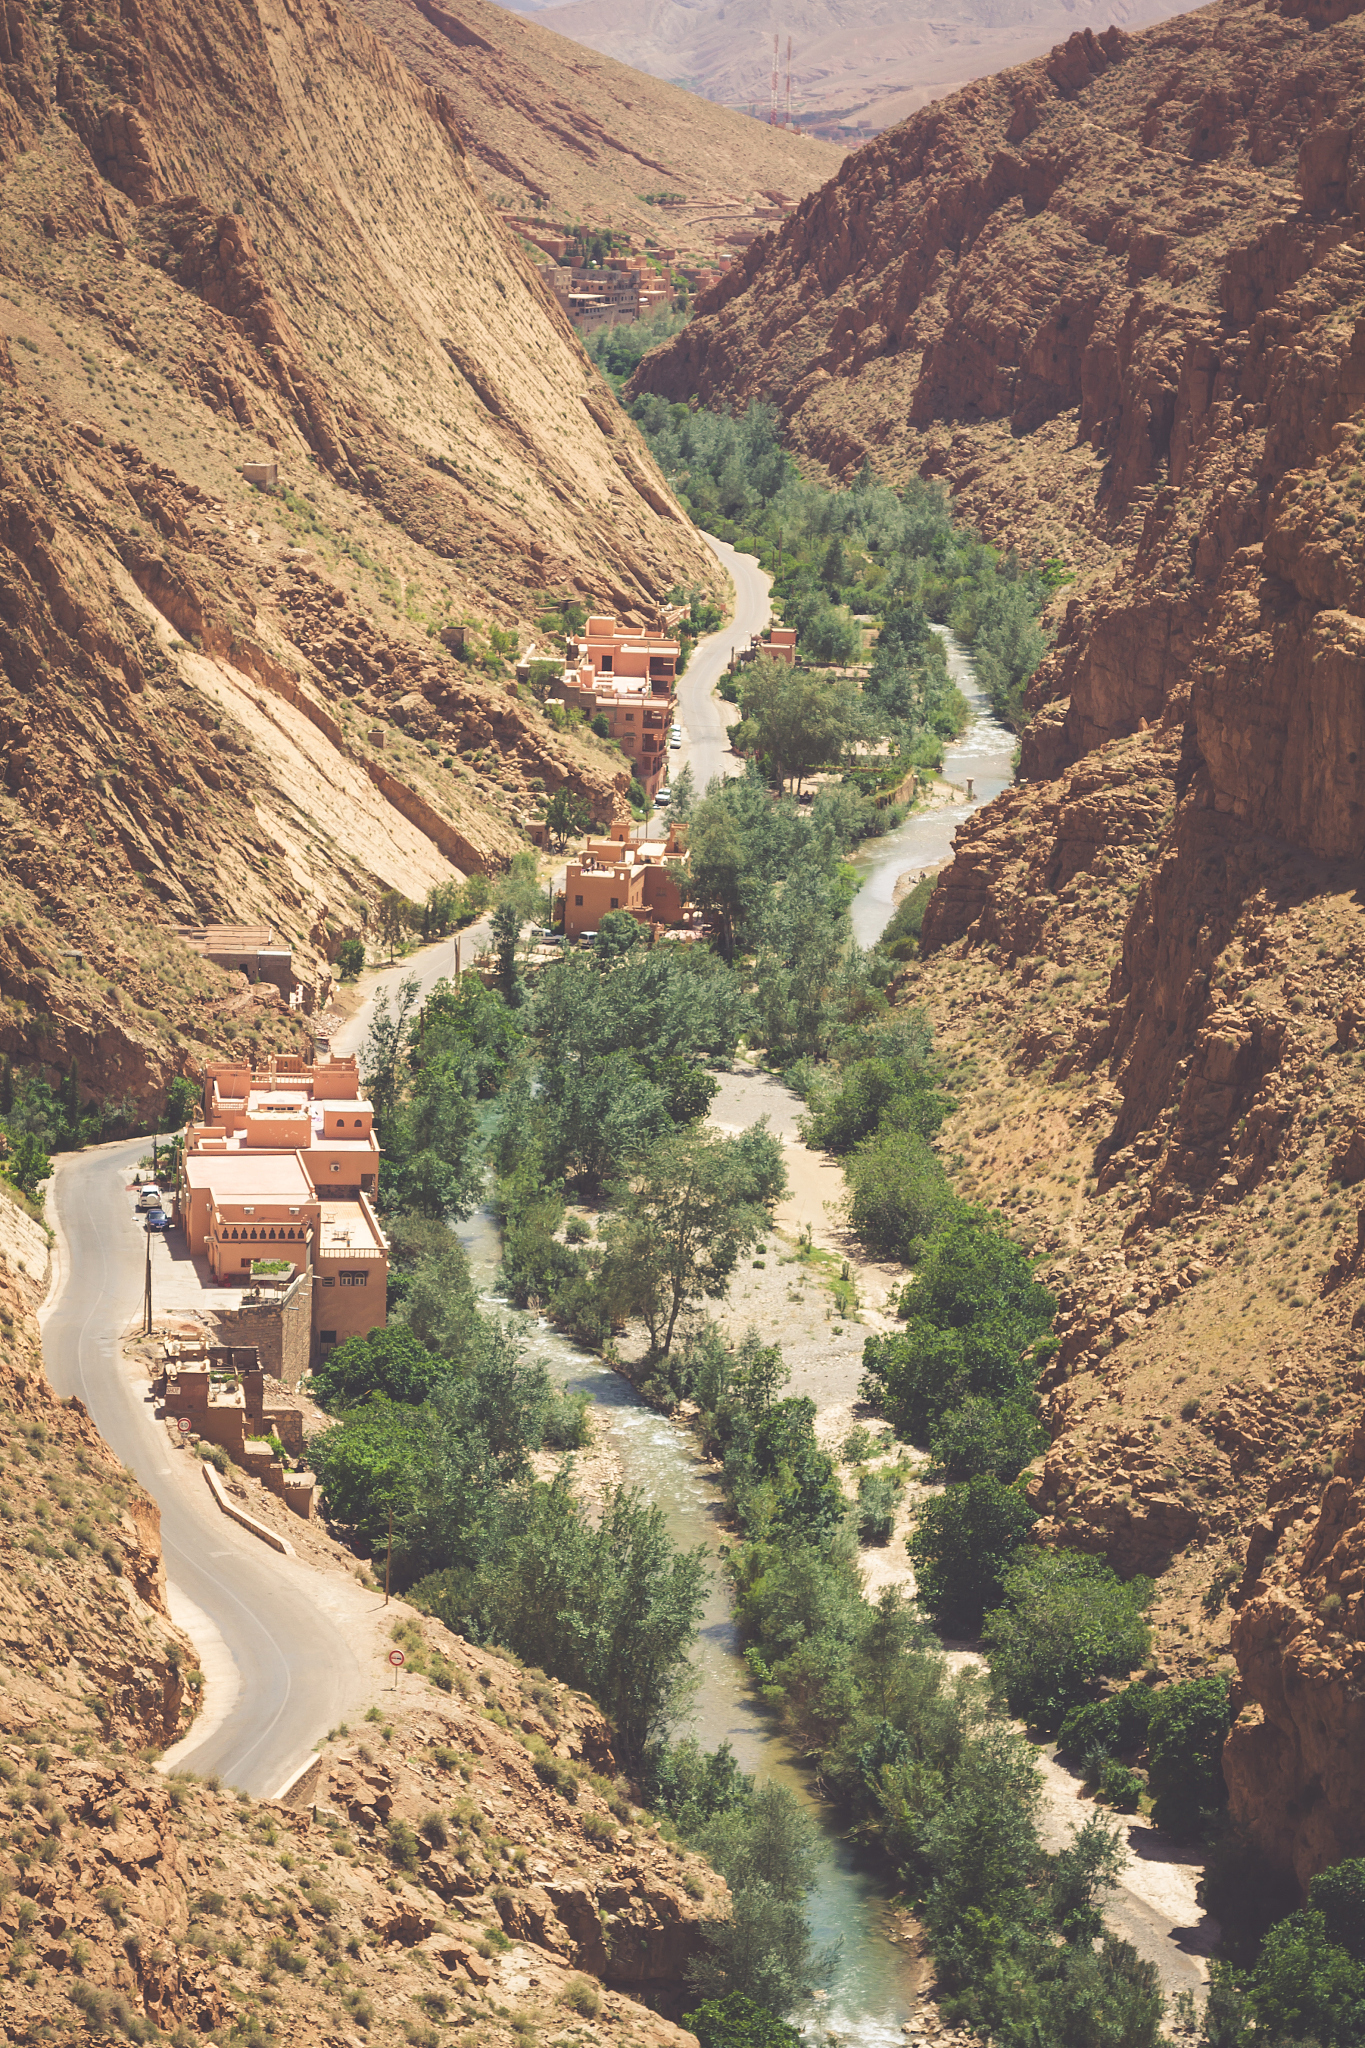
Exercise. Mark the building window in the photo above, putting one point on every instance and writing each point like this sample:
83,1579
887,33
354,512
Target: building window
360,1123
248,1212
335,1167
293,1212
327,1336
630,718
328,1281
353,1279
616,903
246,1262
606,664
578,903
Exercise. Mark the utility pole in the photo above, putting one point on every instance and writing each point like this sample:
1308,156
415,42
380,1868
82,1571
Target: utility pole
388,1561
789,82
147,1288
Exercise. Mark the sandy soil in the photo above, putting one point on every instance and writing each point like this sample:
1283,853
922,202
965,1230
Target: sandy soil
776,1291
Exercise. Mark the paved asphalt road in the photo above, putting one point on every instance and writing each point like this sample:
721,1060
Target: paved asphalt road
429,963
701,714
292,1672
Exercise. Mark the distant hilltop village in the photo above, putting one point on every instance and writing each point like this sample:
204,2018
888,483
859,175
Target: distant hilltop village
609,279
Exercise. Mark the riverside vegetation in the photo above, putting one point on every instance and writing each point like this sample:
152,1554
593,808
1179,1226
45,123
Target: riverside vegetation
587,1092
583,1097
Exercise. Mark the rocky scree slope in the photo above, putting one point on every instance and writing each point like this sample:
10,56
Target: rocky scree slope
547,119
466,1856
253,235
1113,300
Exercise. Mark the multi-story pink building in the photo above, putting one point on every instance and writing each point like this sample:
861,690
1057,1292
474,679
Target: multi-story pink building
283,1170
629,677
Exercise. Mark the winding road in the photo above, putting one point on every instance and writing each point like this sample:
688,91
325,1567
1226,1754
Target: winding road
274,1637
701,714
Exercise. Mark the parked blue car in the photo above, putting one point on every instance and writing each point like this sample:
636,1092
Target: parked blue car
157,1219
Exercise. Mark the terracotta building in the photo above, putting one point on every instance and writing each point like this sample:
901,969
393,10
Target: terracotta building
629,678
647,881
282,1172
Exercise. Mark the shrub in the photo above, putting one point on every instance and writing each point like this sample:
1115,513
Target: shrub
1120,1788
582,1996
1066,1621
597,1827
351,958
402,1846
1116,1726
878,1493
961,1546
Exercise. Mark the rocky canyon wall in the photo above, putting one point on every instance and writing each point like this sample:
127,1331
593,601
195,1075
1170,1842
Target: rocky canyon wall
1113,300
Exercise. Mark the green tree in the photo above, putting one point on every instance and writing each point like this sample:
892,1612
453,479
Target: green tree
683,793
396,918
351,959
1185,1735
981,1435
1339,1895
694,1205
768,1853
6,1085
1065,1621
736,2022
385,1049
608,1605
1306,1988
183,1103
389,1362
898,1193
974,1314
567,815
961,1547
617,933
28,1165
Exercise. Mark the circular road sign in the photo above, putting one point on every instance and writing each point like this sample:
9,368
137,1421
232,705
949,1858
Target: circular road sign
396,1657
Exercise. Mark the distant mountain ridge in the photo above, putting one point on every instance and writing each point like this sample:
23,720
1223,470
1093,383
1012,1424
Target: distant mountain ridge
546,120
858,65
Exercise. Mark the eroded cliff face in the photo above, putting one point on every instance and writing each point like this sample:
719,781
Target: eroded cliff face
1112,300
248,236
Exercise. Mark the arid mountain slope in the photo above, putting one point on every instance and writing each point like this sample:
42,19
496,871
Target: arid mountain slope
240,234
1114,302
858,65
544,118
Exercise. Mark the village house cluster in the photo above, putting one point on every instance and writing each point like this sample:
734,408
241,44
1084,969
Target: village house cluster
282,1174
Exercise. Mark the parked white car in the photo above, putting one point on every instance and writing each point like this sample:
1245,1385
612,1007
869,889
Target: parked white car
149,1196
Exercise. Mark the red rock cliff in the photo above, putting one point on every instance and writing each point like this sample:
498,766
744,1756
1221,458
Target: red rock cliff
1113,300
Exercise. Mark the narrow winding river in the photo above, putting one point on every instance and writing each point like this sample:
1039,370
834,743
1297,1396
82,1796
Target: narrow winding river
983,756
870,1988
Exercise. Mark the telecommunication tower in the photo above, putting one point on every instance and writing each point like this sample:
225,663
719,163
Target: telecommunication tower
772,96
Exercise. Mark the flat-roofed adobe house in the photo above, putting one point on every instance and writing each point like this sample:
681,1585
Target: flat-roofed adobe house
283,1170
629,677
645,880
